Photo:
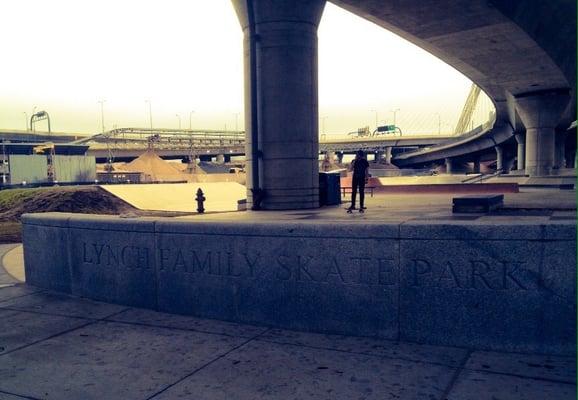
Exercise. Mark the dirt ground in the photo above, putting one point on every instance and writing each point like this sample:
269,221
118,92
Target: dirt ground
76,199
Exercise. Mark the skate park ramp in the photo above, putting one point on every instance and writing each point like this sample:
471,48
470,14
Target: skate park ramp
221,196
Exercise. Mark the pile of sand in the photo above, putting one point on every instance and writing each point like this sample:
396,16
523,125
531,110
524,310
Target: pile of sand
155,168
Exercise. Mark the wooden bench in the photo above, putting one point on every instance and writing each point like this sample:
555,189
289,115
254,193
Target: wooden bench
349,189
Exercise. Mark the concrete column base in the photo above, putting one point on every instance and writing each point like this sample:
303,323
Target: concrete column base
388,155
521,151
540,112
477,168
499,158
560,149
449,166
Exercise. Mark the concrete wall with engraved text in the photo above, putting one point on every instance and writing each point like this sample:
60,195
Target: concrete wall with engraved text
503,287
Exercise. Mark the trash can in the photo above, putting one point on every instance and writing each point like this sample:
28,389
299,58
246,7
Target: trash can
329,188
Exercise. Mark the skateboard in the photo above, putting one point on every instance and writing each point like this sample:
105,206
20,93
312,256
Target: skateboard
361,210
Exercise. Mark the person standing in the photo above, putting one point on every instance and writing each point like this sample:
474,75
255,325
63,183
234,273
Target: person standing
360,168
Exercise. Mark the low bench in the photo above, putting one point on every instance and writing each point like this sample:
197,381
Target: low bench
477,203
349,189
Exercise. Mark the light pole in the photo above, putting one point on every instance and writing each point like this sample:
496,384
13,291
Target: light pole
191,119
236,122
26,120
150,112
323,124
439,124
33,127
394,114
376,119
179,117
102,114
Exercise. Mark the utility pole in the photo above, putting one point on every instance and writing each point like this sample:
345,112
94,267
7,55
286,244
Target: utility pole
376,119
102,114
150,113
394,114
191,119
33,127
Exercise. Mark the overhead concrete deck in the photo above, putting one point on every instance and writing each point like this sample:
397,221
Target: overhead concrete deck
511,49
505,47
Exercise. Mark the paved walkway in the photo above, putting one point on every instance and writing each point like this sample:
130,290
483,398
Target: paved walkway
61,347
529,206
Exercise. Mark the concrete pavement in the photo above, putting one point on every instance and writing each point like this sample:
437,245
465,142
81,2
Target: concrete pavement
61,347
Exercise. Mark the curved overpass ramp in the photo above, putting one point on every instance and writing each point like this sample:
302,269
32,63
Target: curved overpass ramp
522,54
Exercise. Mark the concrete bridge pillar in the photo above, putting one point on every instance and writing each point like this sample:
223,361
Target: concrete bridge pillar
521,154
449,166
540,112
340,157
220,158
499,158
477,168
281,102
560,149
388,155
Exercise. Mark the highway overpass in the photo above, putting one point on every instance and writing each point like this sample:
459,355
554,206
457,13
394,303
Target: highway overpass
128,143
521,53
125,144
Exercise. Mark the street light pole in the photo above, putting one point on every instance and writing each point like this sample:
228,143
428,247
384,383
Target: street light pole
191,119
439,124
179,117
102,114
150,113
376,119
394,114
33,127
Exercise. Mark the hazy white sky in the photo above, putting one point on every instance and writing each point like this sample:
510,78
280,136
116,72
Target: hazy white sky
63,56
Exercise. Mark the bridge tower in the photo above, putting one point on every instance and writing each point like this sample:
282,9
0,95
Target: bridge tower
468,111
281,102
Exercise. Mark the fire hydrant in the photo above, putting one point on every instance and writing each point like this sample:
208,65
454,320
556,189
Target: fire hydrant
200,201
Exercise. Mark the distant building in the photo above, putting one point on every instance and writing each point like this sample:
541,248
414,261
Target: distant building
45,163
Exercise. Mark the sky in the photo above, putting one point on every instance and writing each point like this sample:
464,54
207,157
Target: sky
182,60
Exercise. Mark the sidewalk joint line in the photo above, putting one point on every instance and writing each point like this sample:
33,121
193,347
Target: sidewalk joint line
147,325
207,364
381,356
456,375
19,395
90,322
21,295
